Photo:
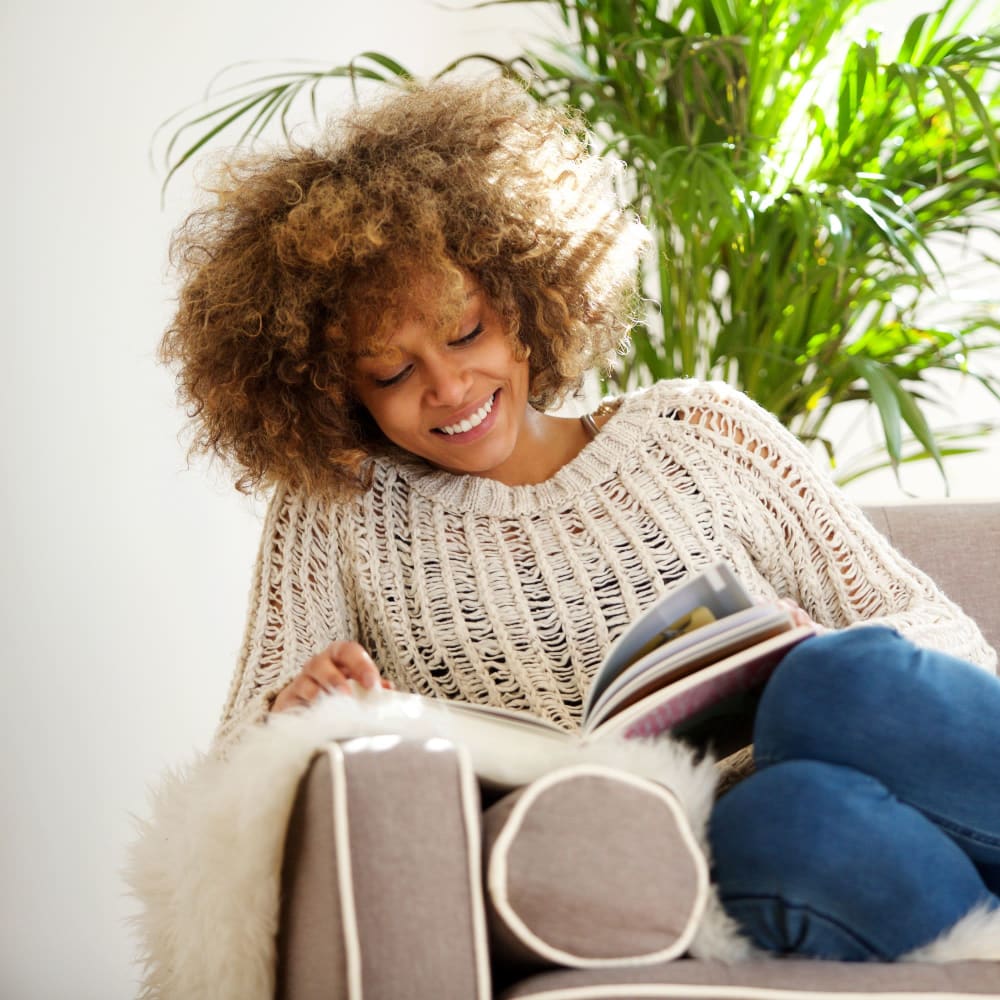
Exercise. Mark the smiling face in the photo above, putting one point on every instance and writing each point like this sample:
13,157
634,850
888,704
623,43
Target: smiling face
460,400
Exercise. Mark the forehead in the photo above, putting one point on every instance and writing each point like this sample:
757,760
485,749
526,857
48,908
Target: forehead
429,307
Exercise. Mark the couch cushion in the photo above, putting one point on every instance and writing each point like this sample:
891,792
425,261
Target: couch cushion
590,866
775,979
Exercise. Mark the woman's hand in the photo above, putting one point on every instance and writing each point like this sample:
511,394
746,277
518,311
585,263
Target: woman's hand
799,616
331,670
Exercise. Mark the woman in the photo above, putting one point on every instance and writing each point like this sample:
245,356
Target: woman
376,329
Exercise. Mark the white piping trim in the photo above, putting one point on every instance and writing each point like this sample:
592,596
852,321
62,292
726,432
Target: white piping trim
472,812
654,990
345,876
497,871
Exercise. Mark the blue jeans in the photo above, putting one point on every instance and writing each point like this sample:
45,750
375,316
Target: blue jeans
873,822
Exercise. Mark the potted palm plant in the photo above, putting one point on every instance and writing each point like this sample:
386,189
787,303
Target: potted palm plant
799,187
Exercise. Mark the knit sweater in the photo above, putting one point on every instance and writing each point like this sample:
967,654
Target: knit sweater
464,588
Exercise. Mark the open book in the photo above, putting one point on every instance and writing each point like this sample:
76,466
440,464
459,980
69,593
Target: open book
694,665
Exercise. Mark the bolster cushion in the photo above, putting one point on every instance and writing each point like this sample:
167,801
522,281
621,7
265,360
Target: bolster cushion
590,867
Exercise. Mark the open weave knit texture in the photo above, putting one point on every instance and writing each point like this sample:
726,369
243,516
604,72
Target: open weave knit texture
464,588
206,866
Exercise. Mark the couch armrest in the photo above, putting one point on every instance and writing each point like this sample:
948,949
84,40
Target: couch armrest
381,880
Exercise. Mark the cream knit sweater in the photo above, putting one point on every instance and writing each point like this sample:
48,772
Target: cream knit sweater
464,588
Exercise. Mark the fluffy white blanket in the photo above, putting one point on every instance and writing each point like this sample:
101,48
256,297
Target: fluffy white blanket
206,864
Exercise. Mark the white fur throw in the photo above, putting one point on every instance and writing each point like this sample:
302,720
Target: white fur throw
206,865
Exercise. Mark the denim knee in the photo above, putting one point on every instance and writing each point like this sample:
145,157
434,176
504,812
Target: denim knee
828,690
921,722
821,860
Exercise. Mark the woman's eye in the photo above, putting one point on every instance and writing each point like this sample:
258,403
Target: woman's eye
390,381
469,337
385,383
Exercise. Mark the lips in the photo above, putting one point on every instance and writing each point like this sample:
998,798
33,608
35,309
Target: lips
472,421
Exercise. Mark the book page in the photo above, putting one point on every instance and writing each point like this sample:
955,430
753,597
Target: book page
716,588
508,717
675,708
688,653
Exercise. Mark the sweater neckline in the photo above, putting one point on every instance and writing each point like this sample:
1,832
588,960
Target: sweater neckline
594,463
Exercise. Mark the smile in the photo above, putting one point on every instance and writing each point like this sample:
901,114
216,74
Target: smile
474,420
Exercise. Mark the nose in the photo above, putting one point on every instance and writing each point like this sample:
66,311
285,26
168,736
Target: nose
447,381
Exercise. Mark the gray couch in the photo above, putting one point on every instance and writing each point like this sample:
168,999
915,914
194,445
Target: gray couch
382,893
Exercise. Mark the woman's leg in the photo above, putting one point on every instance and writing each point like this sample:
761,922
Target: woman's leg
818,859
923,724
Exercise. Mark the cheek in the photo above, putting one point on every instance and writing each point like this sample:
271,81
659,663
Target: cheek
504,358
522,371
395,413
383,413
370,407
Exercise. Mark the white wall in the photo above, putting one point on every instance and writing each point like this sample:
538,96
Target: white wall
125,576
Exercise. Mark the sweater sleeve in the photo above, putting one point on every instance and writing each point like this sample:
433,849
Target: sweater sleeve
810,542
297,607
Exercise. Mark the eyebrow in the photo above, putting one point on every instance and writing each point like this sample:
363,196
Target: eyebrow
370,354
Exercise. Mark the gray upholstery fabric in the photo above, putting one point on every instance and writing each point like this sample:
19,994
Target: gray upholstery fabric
399,913
590,867
781,978
957,545
311,946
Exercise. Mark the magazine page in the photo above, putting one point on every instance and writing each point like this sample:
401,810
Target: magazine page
688,653
491,715
716,588
676,707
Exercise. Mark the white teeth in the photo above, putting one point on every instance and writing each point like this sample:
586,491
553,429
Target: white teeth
474,421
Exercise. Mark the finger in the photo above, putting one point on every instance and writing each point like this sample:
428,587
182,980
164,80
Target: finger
353,661
284,699
799,615
326,675
306,689
295,694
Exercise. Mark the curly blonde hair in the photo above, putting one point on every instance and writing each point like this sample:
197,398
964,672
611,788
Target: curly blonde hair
308,257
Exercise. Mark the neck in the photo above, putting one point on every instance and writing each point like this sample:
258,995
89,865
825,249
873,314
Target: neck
545,445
